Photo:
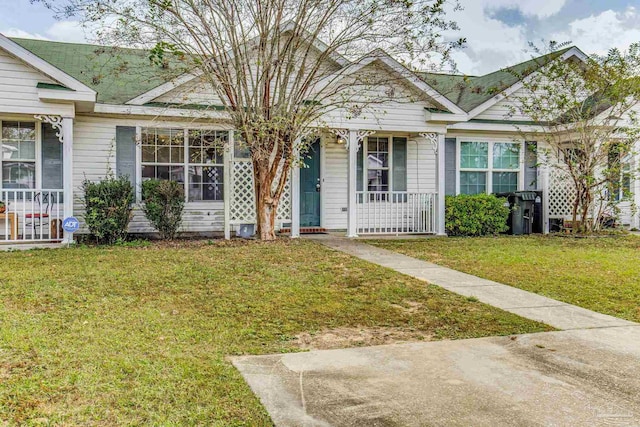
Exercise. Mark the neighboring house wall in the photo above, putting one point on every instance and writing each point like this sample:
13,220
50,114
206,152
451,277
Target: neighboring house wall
18,89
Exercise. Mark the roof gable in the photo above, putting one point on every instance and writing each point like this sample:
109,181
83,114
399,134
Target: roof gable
470,92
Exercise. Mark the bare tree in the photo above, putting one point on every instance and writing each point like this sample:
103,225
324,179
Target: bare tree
585,112
277,66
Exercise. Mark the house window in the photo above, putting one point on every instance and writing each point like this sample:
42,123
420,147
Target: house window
377,164
382,166
206,154
18,155
489,167
505,167
474,164
200,170
163,154
619,168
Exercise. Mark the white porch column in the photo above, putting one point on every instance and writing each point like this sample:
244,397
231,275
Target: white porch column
228,182
440,150
353,144
295,193
67,171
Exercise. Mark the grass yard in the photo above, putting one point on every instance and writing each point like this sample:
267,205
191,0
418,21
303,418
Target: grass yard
601,274
140,335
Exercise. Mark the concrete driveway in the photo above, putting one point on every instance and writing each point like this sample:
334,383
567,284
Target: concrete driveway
588,377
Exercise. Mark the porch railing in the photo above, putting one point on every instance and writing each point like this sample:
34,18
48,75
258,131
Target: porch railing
31,216
396,213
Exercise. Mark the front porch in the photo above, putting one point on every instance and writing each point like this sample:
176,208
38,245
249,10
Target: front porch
35,177
360,181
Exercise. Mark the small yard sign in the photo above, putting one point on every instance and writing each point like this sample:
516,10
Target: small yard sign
70,224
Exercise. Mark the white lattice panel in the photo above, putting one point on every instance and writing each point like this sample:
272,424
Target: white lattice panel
242,209
561,194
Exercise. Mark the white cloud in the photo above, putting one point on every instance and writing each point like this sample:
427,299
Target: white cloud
68,31
491,44
537,8
18,33
599,33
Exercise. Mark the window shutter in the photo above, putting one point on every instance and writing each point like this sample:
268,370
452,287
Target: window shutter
450,166
126,153
51,159
359,168
399,159
531,165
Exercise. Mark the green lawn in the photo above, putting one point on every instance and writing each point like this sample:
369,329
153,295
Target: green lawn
601,274
140,335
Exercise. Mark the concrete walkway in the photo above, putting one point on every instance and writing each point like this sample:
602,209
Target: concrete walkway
526,304
585,375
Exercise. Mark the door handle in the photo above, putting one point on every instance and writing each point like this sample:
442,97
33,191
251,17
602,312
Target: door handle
318,187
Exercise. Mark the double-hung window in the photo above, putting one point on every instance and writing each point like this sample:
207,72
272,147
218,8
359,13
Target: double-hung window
18,155
619,169
378,164
206,152
163,154
489,167
382,166
193,158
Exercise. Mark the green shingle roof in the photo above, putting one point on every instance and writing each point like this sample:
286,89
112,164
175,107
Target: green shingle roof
121,74
117,74
468,92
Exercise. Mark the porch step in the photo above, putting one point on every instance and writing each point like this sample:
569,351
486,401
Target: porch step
305,230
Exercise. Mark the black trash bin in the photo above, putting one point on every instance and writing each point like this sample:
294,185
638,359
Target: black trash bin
525,216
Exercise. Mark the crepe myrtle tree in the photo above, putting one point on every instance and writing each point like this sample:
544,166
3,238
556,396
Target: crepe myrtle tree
586,114
277,66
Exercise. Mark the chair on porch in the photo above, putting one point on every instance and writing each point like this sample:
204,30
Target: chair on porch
41,217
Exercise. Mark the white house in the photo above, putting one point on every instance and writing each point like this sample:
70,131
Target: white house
66,116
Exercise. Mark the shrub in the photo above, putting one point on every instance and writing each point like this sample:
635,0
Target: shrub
108,206
477,215
163,206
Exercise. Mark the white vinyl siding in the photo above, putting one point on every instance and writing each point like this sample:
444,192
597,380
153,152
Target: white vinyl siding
19,92
333,215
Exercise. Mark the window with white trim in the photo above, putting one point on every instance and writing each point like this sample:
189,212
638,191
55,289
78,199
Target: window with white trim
200,171
489,167
206,163
163,154
385,167
619,169
18,155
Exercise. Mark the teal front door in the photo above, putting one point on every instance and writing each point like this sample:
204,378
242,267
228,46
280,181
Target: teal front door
310,187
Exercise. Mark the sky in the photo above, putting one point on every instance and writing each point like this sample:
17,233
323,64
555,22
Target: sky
498,32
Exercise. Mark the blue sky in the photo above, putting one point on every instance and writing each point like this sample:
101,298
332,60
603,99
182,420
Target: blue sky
498,31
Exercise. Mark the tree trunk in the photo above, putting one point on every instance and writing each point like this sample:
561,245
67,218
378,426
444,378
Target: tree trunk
266,204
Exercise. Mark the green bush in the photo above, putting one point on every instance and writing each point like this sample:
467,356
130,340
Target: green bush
108,206
163,206
477,215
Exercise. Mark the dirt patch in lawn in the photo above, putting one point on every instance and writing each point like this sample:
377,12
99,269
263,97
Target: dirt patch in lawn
357,337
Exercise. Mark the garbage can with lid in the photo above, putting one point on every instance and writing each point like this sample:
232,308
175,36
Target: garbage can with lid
525,211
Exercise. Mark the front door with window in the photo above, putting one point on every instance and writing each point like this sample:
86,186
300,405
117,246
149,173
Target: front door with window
310,187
